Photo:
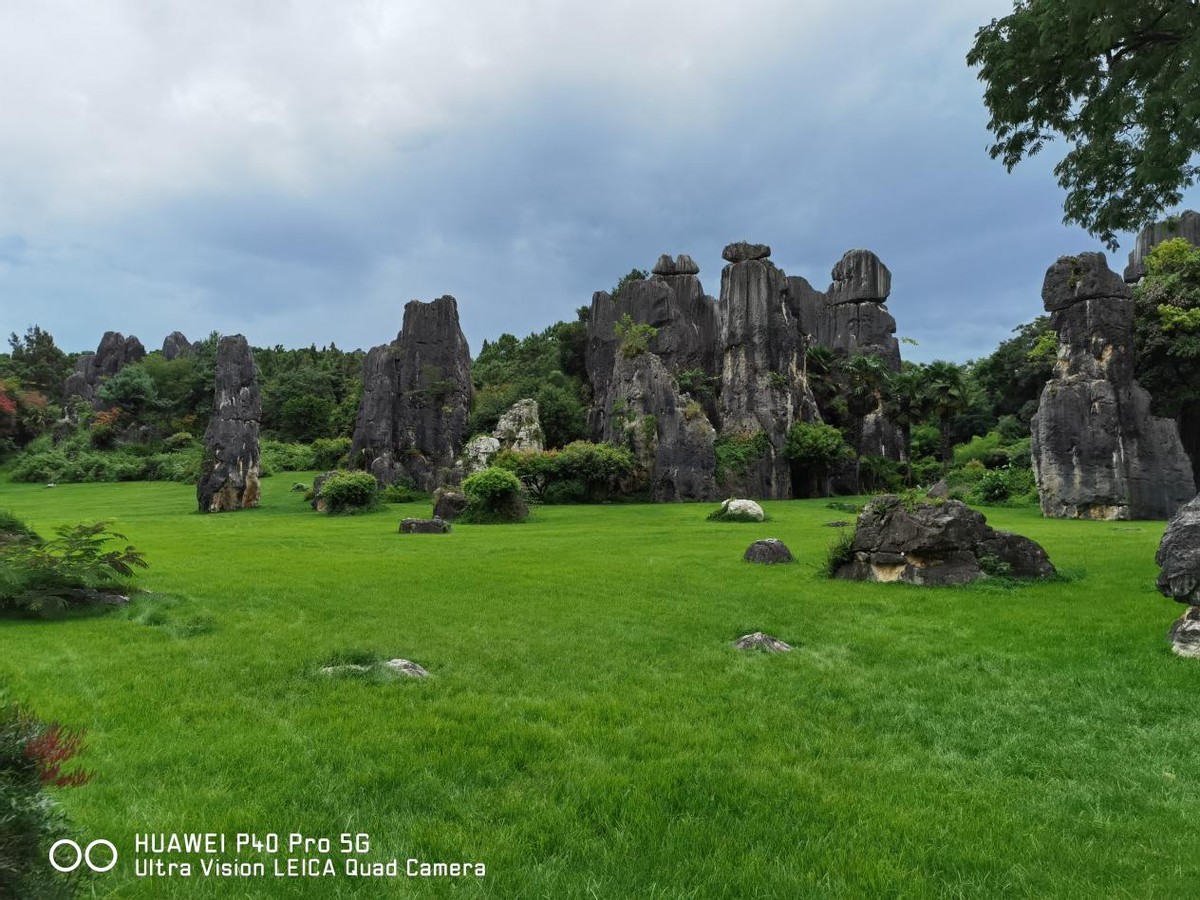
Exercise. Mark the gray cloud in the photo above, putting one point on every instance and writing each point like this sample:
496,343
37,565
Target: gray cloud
298,172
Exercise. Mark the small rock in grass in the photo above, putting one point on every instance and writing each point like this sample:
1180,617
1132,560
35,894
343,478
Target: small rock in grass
768,551
734,510
406,667
838,524
345,669
1185,634
424,526
760,641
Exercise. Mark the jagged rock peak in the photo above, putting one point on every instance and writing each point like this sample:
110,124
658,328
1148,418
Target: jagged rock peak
176,344
229,470
858,277
114,353
1073,279
1186,226
680,265
742,251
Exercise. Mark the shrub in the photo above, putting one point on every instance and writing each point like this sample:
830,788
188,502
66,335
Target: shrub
840,551
11,525
179,441
32,757
493,496
738,451
402,492
587,471
329,453
48,577
634,338
350,492
276,456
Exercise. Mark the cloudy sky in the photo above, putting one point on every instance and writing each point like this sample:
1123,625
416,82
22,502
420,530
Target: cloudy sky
297,171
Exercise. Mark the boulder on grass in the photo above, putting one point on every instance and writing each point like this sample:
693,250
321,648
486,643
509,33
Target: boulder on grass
424,526
1185,634
1178,556
739,511
768,551
932,543
448,503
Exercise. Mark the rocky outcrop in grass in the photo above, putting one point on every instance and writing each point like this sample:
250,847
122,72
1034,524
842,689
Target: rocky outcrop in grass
1098,453
229,469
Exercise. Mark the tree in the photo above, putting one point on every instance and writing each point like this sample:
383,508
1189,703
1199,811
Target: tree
947,391
1016,371
906,404
1167,337
865,378
814,447
1118,80
38,363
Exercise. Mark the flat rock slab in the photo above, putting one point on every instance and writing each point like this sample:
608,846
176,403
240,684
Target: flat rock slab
391,666
760,641
424,526
768,551
743,251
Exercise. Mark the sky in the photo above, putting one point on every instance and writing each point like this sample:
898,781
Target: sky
298,170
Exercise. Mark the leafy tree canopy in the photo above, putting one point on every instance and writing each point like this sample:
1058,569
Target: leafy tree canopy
1119,80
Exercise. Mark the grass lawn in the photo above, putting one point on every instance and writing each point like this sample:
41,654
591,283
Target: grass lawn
589,732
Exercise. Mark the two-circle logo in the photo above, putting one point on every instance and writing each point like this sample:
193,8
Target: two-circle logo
82,855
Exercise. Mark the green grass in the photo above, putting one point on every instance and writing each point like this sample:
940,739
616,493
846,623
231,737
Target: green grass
588,731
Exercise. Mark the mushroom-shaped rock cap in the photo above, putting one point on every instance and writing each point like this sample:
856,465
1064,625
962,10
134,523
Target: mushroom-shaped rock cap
680,265
1074,279
860,276
744,252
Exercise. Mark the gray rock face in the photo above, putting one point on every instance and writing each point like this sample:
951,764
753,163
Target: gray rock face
520,429
230,467
1185,634
447,504
768,551
860,276
762,387
936,544
1178,556
176,345
416,397
1186,226
1097,451
424,526
671,438
674,302
743,251
114,353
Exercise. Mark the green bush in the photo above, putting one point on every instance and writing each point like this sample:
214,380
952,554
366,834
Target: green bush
840,551
32,756
739,450
634,338
402,492
570,490
350,492
329,453
48,577
276,456
179,441
493,496
14,527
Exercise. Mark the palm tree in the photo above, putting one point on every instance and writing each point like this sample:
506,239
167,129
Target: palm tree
947,391
906,404
865,376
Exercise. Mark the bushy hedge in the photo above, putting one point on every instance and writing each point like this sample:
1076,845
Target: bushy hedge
580,472
350,492
493,497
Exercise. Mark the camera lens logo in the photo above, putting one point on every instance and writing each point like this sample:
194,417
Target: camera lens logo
81,856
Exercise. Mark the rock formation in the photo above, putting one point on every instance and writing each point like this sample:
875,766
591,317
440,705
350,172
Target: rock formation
229,469
936,544
762,385
176,345
1098,453
114,353
448,503
424,526
761,641
671,439
671,300
768,551
519,428
1186,226
416,397
1178,558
